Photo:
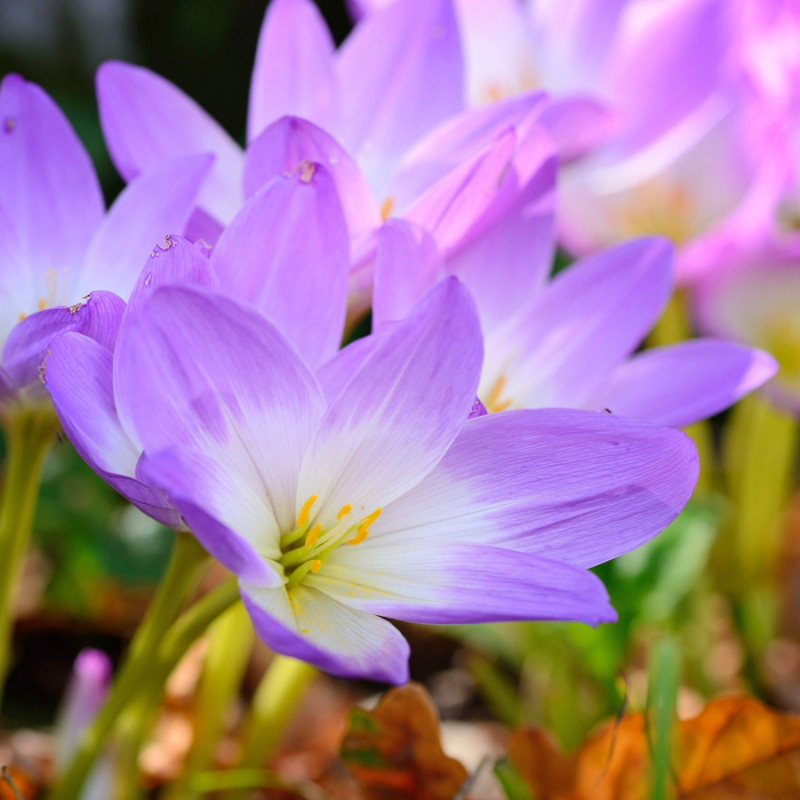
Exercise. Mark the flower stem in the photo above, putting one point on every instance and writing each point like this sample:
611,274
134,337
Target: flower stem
230,644
273,704
141,668
29,432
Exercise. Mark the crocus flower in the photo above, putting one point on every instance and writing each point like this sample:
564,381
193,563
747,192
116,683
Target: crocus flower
285,253
360,104
83,697
61,256
571,344
384,500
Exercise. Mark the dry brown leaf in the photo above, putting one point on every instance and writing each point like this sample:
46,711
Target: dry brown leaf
736,748
395,750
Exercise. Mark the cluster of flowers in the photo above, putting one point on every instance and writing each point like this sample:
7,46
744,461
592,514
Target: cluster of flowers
496,435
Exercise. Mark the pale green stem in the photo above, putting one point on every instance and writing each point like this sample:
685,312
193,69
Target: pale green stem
761,455
140,669
29,432
273,704
230,644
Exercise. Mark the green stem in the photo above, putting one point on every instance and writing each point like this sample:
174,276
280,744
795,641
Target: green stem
661,699
138,671
273,704
230,644
29,432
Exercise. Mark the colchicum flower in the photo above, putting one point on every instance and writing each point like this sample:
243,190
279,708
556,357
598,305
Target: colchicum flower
285,253
63,261
571,343
366,492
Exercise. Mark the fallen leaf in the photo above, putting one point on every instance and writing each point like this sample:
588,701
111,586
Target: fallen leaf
737,748
395,751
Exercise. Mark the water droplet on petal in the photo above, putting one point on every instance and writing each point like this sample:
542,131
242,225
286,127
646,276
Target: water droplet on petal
148,279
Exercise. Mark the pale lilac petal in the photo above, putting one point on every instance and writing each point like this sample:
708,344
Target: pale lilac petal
202,370
153,205
685,383
230,516
575,486
455,141
499,50
335,374
578,125
147,120
407,266
98,316
176,261
450,208
560,347
342,641
78,374
283,147
400,411
391,60
287,252
48,187
17,285
508,254
293,72
666,64
453,583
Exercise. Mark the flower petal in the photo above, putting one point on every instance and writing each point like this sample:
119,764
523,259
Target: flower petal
451,583
407,266
342,641
287,253
154,204
49,187
455,141
399,413
177,261
202,370
228,512
78,374
560,347
293,72
391,60
575,486
685,383
98,316
287,143
147,120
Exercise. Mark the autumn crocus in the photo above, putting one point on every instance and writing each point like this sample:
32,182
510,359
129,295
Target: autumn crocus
571,343
61,255
285,253
382,500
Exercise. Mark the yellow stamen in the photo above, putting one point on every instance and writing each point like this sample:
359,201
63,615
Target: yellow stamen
302,517
493,402
344,511
42,304
22,316
386,208
315,565
313,535
370,518
361,533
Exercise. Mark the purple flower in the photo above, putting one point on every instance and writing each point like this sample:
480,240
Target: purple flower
383,500
57,246
285,253
571,344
